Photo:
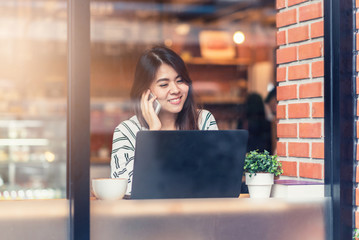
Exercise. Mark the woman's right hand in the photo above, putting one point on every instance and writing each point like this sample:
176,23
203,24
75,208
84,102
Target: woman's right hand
148,111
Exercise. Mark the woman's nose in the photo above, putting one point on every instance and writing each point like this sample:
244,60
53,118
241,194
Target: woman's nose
174,89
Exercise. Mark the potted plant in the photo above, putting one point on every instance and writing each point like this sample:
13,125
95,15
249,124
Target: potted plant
260,169
356,234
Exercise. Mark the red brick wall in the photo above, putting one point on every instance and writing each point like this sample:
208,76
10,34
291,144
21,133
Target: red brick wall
300,71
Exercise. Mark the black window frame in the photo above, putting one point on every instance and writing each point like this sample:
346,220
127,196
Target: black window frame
339,116
78,119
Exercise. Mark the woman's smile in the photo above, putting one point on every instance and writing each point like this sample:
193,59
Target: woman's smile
175,101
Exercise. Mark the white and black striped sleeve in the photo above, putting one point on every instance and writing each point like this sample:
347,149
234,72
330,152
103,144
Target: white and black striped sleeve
123,150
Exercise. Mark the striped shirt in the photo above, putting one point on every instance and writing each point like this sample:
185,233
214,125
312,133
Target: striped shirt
124,142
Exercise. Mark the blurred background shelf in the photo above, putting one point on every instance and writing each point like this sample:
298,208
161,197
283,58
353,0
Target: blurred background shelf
226,62
224,100
100,160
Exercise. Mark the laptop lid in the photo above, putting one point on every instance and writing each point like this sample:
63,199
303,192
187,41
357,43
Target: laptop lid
188,164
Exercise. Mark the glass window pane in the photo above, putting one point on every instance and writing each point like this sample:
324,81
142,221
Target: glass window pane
33,99
33,106
228,48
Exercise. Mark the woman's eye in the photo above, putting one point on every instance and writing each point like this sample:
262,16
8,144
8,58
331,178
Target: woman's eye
180,81
163,85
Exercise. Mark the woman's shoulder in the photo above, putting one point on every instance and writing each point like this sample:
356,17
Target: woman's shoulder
131,126
206,120
203,114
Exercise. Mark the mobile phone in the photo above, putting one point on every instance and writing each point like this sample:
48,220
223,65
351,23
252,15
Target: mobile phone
156,104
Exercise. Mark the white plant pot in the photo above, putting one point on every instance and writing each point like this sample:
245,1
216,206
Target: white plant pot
259,185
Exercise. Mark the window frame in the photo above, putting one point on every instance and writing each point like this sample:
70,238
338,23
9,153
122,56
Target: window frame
78,119
339,116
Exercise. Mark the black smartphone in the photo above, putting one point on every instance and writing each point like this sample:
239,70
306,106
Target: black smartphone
156,105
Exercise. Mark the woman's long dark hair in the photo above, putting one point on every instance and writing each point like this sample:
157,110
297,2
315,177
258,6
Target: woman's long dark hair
146,70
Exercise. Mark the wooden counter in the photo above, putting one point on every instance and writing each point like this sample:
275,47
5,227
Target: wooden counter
34,219
207,219
197,219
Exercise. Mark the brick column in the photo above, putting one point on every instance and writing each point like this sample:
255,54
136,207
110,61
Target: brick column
300,71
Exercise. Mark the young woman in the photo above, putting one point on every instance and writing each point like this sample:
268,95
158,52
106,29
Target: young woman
160,76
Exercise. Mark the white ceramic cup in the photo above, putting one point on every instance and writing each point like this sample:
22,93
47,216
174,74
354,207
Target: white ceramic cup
109,188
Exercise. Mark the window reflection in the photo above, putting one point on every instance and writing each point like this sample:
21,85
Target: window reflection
208,35
33,75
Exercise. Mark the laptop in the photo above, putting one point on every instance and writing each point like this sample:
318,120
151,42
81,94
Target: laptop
188,164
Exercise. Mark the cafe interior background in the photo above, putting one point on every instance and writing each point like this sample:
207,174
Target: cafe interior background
228,47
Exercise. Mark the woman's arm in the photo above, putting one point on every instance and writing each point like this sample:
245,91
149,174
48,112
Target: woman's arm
122,155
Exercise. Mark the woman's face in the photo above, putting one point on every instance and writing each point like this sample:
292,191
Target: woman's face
170,89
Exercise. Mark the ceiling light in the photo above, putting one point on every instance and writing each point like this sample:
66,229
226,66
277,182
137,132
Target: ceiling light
238,37
182,29
168,42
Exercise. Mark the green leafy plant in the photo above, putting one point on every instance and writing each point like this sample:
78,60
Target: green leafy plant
356,234
262,162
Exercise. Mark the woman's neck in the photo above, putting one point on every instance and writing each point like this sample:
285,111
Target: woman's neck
168,121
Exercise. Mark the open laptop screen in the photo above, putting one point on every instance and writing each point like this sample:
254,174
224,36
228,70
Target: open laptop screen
188,164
